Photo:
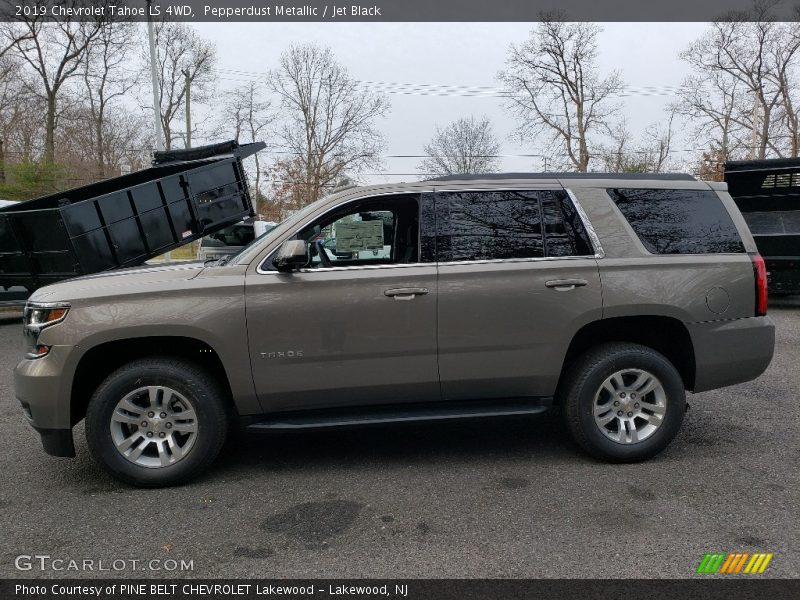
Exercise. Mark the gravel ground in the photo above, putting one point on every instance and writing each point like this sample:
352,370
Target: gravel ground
510,498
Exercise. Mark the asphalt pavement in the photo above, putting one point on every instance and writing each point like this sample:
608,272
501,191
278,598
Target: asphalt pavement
508,498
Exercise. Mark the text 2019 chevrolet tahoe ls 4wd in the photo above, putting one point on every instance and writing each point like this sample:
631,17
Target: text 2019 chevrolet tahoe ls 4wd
608,296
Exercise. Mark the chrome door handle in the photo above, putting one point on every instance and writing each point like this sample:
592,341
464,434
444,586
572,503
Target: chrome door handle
565,285
405,293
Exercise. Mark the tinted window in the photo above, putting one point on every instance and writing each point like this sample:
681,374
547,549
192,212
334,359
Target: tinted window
495,225
489,225
565,234
678,221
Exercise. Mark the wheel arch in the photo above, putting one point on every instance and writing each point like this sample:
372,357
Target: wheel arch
666,335
101,360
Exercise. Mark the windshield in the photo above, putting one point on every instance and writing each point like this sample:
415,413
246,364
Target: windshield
298,216
267,232
236,235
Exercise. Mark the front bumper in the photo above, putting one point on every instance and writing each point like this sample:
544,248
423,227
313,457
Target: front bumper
57,442
44,392
730,352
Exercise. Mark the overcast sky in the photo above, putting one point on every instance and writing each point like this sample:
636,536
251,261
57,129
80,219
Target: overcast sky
457,54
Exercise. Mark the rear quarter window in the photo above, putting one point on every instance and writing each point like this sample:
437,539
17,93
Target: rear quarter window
678,221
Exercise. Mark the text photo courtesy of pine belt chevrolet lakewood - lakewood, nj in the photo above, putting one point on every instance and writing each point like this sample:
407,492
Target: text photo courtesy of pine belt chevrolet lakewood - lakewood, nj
415,300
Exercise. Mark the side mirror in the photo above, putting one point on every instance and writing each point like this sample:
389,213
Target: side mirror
292,255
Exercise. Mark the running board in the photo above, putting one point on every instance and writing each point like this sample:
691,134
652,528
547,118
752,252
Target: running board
415,413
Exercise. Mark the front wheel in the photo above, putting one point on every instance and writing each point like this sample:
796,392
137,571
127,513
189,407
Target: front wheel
156,422
623,402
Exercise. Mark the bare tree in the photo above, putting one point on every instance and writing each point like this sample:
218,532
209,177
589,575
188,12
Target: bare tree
712,104
651,154
329,121
125,140
657,145
10,92
289,192
107,79
786,79
555,87
711,166
743,80
181,53
615,157
24,135
465,146
55,52
251,116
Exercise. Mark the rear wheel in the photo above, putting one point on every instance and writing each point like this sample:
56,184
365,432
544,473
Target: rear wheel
623,402
156,422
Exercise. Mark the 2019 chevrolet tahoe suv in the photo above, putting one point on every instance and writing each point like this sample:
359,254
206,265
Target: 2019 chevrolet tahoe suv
603,296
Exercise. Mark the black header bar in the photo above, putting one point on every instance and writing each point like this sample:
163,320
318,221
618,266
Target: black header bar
385,10
698,588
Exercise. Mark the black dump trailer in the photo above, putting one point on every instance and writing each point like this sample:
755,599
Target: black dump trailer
126,220
768,194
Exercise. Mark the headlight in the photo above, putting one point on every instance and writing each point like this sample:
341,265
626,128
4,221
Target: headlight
38,316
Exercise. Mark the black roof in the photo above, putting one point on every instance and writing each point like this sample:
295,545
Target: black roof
570,175
762,165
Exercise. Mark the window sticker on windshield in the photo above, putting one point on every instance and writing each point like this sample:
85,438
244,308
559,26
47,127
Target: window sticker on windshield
359,235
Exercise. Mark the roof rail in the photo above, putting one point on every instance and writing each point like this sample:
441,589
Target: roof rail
570,175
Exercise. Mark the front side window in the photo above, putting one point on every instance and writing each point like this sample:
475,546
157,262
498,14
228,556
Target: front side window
375,231
509,224
678,221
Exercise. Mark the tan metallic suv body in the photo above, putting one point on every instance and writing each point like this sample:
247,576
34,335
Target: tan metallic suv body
437,326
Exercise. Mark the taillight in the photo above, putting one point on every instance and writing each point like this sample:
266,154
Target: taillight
760,270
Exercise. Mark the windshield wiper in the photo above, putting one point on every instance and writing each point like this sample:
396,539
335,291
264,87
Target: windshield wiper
217,262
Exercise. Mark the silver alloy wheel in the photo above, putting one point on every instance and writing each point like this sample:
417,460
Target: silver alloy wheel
154,426
630,406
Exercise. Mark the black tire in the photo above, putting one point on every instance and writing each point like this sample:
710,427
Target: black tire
585,377
186,378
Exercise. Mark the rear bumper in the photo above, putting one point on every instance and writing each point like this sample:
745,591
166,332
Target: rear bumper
730,352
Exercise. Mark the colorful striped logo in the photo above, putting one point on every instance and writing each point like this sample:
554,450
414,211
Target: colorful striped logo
734,562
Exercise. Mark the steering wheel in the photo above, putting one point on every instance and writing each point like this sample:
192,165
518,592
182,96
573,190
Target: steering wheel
323,254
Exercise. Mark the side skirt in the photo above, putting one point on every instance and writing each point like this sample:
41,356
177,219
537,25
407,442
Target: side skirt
406,413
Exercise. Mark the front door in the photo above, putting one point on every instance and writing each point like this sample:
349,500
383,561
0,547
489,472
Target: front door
358,325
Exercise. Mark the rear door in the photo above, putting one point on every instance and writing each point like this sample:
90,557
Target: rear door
517,278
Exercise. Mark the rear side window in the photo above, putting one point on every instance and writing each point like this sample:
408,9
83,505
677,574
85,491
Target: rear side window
565,234
498,225
678,221
488,226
